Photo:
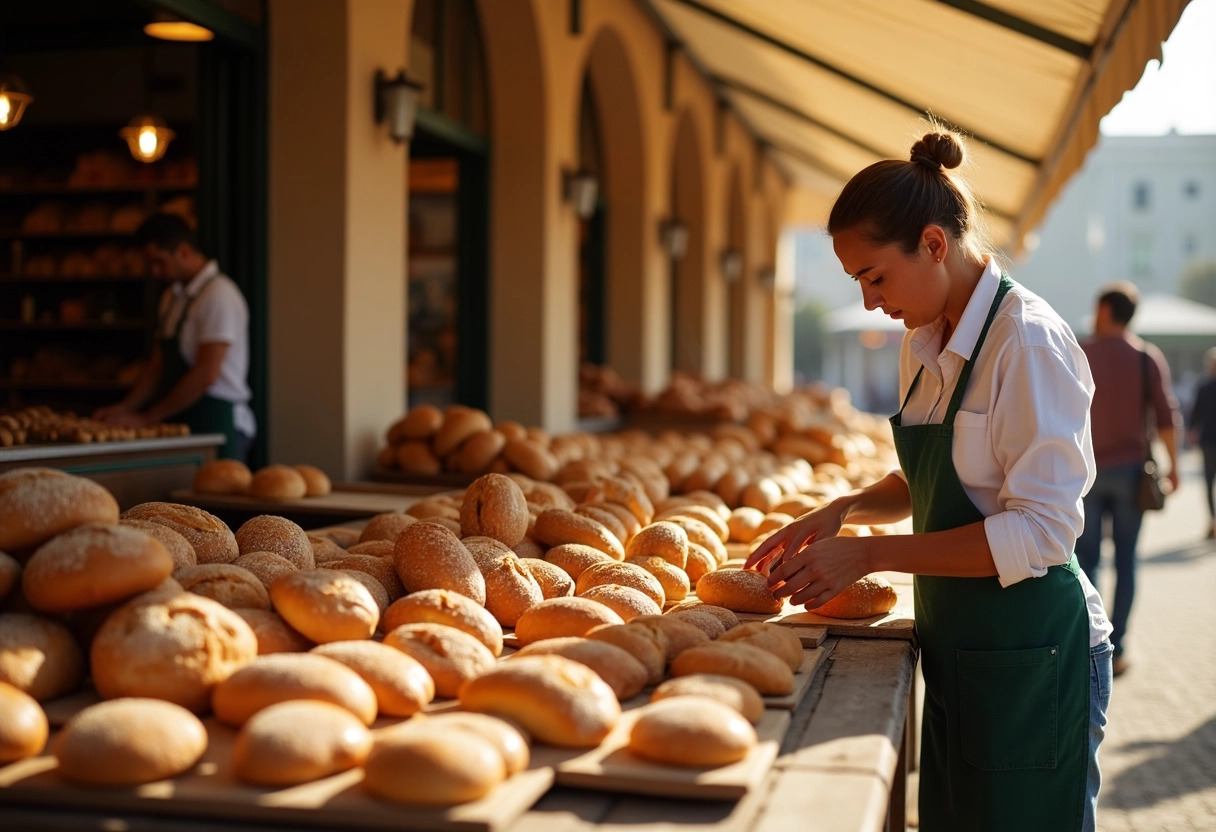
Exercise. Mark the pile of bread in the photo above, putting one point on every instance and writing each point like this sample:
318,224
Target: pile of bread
270,482
42,424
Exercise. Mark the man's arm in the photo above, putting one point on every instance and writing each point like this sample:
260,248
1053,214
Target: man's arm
140,393
191,387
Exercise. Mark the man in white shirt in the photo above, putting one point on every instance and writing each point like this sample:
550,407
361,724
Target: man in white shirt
198,370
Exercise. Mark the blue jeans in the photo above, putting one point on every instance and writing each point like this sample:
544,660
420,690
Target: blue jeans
1114,495
1100,677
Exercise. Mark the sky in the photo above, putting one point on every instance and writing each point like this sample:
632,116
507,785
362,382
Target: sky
1179,92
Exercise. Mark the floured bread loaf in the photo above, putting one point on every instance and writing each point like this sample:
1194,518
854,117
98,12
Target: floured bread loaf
870,596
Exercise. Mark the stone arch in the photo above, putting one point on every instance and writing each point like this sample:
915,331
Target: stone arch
738,333
689,302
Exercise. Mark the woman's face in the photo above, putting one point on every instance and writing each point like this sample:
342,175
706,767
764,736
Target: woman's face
908,288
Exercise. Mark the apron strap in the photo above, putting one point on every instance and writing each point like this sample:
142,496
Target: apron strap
960,385
190,299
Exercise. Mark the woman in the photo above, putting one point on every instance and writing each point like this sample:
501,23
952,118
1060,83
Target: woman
995,454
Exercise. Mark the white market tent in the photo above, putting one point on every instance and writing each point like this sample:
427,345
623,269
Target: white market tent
830,86
1159,315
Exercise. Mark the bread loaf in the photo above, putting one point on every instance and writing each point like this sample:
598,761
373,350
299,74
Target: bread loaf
271,750
23,725
402,685
222,476
226,584
648,647
741,590
93,564
554,581
284,676
128,742
277,482
780,641
734,693
442,606
38,656
422,766
625,601
694,731
623,673
212,540
450,656
386,526
574,558
494,506
325,605
37,504
429,556
760,668
555,617
556,526
870,596
676,635
274,635
316,481
663,540
271,533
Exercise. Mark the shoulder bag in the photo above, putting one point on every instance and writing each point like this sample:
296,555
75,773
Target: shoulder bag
1150,496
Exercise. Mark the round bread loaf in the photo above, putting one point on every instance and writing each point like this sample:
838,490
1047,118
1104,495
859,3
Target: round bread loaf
270,533
386,526
505,736
693,731
450,656
420,766
872,595
621,574
416,457
442,606
741,590
531,458
486,551
556,526
375,548
213,541
265,566
37,504
271,750
700,534
177,546
625,517
528,548
38,656
623,673
711,518
494,506
727,617
421,421
92,565
760,668
632,496
478,452
573,558
23,725
744,524
324,549
280,677
778,640
274,635
556,617
510,590
707,623
554,581
377,590
128,742
664,540
325,605
677,635
10,574
459,423
277,482
340,535
440,505
702,499
557,700
734,693
226,584
402,685
430,556
171,646
381,569
648,647
672,578
316,481
625,601
606,518
222,476
700,563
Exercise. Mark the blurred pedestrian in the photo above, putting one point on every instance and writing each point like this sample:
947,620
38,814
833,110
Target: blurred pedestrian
1202,432
1132,401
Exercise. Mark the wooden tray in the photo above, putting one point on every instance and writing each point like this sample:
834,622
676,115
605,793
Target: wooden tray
209,791
440,481
811,661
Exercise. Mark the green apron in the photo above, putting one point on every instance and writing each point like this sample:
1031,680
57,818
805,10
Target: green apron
1006,717
208,414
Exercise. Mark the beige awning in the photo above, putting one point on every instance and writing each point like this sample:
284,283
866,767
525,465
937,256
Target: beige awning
833,85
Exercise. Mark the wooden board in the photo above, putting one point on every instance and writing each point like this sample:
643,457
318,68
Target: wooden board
811,661
209,791
445,480
337,504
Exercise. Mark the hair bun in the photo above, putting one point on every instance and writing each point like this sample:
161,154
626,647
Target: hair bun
938,151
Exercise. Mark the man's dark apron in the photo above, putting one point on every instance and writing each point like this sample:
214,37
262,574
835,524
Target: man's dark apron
208,414
1005,740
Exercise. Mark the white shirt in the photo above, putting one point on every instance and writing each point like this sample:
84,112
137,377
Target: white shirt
218,316
1022,446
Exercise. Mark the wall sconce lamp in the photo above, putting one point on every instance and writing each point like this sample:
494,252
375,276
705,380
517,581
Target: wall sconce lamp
396,102
167,27
673,236
14,98
731,263
767,277
147,137
581,187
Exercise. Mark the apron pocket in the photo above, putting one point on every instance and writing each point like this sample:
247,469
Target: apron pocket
1008,701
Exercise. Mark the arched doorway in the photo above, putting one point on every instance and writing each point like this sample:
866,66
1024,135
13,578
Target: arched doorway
688,270
592,243
737,273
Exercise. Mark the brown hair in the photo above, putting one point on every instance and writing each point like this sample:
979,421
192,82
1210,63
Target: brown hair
1122,298
892,201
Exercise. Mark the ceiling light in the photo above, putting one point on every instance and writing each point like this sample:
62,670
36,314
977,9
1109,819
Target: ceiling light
147,137
172,28
14,98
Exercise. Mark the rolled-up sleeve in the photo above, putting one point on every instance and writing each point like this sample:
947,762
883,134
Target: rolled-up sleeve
1039,424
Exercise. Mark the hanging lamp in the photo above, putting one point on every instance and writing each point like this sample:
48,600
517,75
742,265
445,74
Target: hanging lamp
14,98
147,137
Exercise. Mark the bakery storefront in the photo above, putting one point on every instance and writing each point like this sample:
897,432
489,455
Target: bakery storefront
521,341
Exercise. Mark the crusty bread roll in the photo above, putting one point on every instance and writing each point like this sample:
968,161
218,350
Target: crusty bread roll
422,766
171,646
744,524
325,605
734,693
271,750
741,590
648,647
277,482
487,551
597,512
760,668
265,566
316,481
694,731
226,584
38,503
554,581
711,518
555,617
274,635
341,535
623,673
271,533
127,742
573,558
477,453
505,736
222,476
23,724
727,617
10,574
402,685
381,569
324,549
700,534
92,565
558,701
439,505
872,595
494,506
442,606
623,516
672,578
375,548
625,601
675,634
528,548
709,624
177,546
212,540
510,589
700,563
38,656
280,677
625,492
556,526
417,458
386,526
430,556
780,641
621,574
377,590
459,423
662,539
450,656
422,421
530,457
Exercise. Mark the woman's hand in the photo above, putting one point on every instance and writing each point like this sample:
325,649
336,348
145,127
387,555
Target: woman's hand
783,544
821,570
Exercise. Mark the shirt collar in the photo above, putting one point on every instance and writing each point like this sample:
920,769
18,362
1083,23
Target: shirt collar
192,287
926,340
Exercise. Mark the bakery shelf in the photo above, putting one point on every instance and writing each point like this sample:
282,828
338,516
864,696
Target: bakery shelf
92,326
118,188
